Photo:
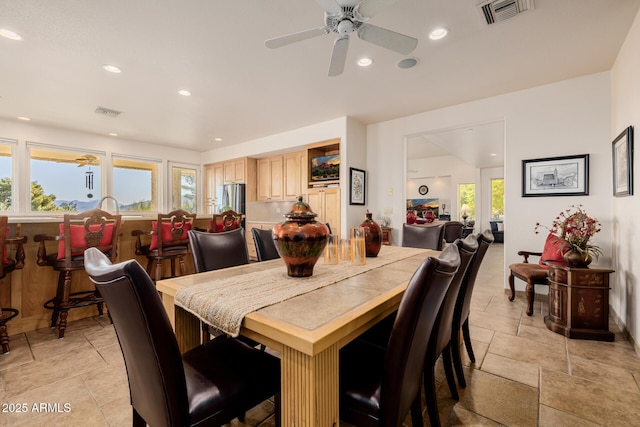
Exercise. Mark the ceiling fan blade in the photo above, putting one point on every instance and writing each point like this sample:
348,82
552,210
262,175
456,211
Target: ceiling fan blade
295,37
338,56
367,8
387,39
329,6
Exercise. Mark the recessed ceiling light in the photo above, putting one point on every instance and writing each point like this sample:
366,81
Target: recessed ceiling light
407,63
26,119
113,134
217,139
184,92
365,62
10,34
112,68
493,154
438,33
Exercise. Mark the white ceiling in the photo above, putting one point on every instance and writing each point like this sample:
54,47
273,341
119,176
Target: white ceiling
242,90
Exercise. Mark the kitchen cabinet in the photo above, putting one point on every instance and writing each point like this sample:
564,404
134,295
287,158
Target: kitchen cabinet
213,177
295,174
325,202
270,178
234,172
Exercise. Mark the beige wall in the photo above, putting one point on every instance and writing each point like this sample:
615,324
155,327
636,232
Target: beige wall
625,111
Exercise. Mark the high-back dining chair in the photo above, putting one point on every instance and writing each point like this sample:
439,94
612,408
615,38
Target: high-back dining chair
6,267
92,228
168,241
213,251
452,231
225,221
208,385
265,247
379,386
463,306
425,237
440,340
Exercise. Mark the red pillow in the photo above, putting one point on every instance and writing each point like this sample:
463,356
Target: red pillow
166,234
220,226
554,249
77,237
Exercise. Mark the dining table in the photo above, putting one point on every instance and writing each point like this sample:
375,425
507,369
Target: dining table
305,320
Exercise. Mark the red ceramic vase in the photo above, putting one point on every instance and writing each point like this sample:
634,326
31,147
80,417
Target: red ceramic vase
411,217
372,236
300,240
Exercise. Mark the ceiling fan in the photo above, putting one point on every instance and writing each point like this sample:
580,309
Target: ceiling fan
344,17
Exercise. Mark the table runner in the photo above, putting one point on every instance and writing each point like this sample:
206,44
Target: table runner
223,303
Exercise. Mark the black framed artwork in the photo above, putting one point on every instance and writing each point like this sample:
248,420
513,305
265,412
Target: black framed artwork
622,148
357,186
556,176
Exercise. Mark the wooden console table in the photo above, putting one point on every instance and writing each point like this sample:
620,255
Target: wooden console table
579,302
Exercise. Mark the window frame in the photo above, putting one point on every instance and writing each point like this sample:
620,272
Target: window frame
63,149
169,184
15,200
158,182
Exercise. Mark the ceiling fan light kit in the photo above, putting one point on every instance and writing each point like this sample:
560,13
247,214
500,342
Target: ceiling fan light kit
344,17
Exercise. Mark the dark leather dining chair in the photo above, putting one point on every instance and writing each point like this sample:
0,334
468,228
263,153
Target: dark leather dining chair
379,386
213,251
425,237
208,385
463,306
440,340
265,248
8,265
452,231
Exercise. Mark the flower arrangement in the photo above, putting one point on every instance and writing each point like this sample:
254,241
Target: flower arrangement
576,228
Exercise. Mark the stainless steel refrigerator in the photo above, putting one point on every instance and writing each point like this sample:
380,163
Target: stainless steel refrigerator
231,196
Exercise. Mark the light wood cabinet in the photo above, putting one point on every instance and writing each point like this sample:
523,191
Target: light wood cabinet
213,177
325,202
295,174
270,178
234,172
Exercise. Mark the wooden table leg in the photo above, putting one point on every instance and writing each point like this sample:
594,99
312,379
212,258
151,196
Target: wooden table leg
310,388
185,325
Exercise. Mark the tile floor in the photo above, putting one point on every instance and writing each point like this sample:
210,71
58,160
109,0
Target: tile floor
525,375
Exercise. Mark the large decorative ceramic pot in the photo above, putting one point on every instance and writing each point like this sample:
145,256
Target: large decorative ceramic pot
576,259
300,240
372,236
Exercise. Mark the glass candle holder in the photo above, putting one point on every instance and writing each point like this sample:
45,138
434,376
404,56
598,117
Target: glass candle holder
332,250
358,250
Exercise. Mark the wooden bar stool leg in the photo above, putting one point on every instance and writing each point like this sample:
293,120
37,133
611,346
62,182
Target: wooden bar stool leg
158,270
512,286
64,311
173,267
531,296
4,338
57,300
182,266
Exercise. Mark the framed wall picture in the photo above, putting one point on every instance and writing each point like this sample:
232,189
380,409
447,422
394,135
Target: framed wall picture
622,148
357,186
556,176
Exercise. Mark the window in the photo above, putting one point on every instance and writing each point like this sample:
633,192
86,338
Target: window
467,200
497,199
184,188
6,175
63,180
135,184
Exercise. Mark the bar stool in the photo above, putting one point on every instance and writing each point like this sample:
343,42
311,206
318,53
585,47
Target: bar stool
225,221
169,241
6,267
92,228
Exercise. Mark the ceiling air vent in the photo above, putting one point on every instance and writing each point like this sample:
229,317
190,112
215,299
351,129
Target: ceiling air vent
107,112
499,10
